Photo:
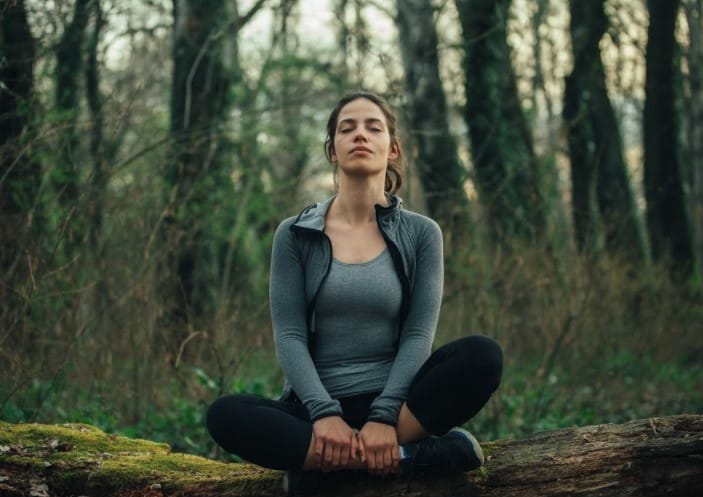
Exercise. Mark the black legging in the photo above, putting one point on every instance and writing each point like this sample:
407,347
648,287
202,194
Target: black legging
452,386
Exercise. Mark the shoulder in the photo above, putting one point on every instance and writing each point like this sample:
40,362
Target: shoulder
286,224
284,227
303,216
419,224
310,219
286,236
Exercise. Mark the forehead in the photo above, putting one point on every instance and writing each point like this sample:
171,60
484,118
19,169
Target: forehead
361,109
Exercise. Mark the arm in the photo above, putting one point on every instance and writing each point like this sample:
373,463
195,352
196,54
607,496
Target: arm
378,437
419,327
288,318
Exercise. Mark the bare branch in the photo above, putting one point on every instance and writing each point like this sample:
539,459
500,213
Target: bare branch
243,20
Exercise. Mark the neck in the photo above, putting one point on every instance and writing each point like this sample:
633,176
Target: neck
356,200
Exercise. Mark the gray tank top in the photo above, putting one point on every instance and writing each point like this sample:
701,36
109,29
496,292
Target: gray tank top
356,319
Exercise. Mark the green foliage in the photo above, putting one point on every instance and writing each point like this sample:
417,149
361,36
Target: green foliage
621,387
585,343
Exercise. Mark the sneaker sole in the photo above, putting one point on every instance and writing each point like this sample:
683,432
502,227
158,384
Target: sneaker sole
478,451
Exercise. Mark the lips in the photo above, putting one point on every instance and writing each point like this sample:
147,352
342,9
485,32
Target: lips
360,149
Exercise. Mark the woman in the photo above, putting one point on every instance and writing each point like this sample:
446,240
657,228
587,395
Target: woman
355,292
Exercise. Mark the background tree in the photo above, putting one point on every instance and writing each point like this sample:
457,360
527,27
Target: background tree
667,217
94,98
602,202
66,172
539,85
195,134
693,116
20,174
501,143
199,175
292,80
354,42
441,173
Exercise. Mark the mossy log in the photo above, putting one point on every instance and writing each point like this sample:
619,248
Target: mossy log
651,457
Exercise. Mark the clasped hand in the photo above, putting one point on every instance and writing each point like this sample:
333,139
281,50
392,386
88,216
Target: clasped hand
338,446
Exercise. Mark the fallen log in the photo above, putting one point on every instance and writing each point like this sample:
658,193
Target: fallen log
651,457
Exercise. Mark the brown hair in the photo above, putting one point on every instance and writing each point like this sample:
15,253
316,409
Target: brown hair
394,170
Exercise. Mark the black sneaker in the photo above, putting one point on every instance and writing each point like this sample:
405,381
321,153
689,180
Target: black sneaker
297,482
452,453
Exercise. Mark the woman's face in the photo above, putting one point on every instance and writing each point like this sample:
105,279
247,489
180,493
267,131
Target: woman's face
362,143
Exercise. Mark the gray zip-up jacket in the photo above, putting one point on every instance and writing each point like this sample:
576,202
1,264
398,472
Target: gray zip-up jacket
301,259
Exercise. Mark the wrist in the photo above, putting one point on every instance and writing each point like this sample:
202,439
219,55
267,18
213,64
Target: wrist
324,415
384,420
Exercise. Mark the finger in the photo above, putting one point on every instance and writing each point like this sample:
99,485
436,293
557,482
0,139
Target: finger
329,453
344,454
362,450
379,462
327,457
387,460
336,456
353,448
395,455
372,462
319,448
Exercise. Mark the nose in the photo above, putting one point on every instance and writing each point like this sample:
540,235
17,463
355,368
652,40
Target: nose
360,135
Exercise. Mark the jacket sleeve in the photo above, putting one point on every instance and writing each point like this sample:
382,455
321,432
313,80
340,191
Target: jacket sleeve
288,318
419,328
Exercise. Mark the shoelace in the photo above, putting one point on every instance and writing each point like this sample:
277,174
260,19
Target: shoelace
426,450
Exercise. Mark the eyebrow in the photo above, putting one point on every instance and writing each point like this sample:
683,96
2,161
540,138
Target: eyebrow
368,120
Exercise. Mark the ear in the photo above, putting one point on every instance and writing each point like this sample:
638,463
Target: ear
333,155
394,151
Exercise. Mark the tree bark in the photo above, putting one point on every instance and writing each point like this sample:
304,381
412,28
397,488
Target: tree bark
602,201
441,173
199,95
667,216
65,174
20,174
693,111
652,457
95,105
206,68
506,171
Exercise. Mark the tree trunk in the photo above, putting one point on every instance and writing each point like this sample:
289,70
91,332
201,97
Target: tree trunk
97,184
65,174
20,174
354,45
288,168
694,115
206,64
539,17
667,217
441,174
602,201
505,168
95,105
198,103
654,457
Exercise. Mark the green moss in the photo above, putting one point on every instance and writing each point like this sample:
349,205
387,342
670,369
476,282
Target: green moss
483,473
79,459
84,436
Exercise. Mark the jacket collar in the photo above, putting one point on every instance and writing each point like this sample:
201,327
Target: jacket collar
313,216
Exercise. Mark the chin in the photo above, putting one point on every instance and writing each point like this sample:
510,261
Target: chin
363,169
